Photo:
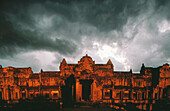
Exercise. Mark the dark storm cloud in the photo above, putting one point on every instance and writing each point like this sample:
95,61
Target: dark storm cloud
106,15
69,27
110,14
13,41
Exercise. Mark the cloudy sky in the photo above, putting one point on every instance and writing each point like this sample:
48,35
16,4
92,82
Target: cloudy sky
39,33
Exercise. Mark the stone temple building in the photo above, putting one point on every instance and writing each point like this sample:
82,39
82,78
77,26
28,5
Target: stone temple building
86,81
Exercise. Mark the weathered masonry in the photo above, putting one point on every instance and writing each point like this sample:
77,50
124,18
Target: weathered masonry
86,81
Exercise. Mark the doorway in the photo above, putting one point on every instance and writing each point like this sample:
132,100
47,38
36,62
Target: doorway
86,89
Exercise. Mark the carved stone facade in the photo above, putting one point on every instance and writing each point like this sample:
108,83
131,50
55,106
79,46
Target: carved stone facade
93,82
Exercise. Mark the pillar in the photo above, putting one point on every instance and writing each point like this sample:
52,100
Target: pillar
78,91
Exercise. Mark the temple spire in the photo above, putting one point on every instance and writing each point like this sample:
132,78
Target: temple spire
64,61
109,62
143,65
41,71
142,70
130,70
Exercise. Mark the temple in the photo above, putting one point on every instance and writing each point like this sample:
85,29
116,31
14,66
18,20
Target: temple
86,81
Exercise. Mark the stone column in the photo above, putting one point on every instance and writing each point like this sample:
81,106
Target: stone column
78,91
12,94
59,92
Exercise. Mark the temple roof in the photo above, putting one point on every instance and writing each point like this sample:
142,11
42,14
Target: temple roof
87,59
86,56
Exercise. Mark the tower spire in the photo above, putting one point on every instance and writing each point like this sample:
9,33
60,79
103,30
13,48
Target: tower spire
63,61
109,62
